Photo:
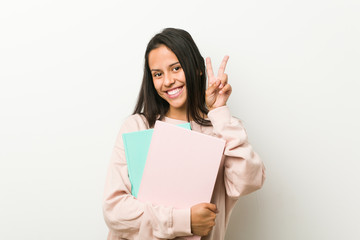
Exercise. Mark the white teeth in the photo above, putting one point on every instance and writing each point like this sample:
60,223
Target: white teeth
174,91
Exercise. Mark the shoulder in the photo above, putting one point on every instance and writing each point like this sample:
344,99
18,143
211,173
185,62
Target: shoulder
135,122
131,123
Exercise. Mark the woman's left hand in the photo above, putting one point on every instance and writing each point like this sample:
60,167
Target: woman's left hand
219,90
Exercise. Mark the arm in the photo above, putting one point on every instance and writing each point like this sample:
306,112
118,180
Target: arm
244,171
127,217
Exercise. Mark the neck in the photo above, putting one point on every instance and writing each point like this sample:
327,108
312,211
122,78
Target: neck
179,114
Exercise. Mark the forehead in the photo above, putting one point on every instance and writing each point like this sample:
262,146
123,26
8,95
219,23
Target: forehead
161,57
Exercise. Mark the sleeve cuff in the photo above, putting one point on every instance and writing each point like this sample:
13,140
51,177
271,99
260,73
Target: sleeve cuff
182,222
220,116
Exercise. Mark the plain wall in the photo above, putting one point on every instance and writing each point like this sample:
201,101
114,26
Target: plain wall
70,72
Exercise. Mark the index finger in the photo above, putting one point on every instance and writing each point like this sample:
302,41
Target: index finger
209,70
223,66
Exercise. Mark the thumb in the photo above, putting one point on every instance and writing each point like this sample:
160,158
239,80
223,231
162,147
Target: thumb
212,207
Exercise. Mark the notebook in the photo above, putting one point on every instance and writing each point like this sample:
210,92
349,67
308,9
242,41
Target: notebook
136,145
181,167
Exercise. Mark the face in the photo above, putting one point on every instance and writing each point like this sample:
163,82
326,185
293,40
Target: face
168,77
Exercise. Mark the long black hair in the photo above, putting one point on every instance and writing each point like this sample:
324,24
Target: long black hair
149,103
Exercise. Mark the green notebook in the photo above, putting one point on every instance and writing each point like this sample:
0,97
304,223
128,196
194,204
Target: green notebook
136,145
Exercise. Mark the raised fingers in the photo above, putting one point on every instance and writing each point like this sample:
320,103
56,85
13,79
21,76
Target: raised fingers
222,67
209,71
224,80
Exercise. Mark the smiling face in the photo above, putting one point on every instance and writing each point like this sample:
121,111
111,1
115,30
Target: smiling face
169,80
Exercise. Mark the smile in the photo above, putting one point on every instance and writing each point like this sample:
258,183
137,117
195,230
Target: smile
175,92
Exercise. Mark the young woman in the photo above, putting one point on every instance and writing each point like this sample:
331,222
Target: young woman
174,90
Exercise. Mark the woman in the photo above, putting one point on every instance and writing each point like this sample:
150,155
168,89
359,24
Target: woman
174,90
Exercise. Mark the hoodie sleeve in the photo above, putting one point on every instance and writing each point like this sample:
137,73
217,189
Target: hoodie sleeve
244,172
128,218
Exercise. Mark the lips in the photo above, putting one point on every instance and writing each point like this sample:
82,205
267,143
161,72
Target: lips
173,93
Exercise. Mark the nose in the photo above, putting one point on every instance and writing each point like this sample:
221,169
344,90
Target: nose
169,80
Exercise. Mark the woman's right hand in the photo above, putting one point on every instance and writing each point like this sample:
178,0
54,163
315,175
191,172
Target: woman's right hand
203,218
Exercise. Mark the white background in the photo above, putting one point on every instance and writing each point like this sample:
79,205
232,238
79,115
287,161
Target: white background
70,73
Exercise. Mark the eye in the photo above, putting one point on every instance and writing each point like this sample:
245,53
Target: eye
157,74
177,68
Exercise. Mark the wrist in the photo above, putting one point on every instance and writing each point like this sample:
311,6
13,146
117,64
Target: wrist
213,108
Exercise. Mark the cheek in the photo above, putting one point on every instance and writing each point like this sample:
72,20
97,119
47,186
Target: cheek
157,85
183,77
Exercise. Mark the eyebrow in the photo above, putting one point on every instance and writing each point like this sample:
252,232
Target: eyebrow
169,66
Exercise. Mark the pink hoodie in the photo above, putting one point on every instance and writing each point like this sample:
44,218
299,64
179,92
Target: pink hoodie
242,173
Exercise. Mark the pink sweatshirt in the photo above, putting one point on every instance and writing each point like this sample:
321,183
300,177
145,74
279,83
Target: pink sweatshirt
242,173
